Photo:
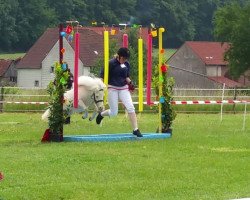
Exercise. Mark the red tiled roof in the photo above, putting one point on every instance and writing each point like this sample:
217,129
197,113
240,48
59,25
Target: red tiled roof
91,40
211,53
36,54
228,82
99,30
4,66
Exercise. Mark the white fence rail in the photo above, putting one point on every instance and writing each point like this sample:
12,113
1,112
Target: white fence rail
13,99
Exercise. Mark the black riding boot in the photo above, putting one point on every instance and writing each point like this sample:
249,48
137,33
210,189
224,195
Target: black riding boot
67,120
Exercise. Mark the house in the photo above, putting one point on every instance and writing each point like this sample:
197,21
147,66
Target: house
37,66
8,74
202,65
36,69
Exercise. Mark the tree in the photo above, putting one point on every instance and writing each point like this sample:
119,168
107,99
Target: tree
232,25
133,35
133,60
69,10
110,11
203,19
176,16
22,22
100,61
32,19
8,9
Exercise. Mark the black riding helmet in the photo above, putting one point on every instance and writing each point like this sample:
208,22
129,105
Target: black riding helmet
123,52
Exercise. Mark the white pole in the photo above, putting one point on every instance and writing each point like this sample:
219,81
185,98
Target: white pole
222,98
244,117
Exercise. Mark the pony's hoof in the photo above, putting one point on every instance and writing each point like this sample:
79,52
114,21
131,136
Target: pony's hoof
90,119
83,117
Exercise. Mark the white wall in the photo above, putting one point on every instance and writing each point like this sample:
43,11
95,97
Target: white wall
213,71
53,57
27,77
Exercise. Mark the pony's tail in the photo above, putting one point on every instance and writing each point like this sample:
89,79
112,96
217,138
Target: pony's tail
46,115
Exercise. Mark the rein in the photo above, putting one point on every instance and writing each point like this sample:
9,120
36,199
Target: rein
94,97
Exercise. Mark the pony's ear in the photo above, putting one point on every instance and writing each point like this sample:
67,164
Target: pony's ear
104,86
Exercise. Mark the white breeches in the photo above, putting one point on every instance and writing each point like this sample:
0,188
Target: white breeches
114,95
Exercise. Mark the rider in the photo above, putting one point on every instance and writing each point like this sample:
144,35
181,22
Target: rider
119,87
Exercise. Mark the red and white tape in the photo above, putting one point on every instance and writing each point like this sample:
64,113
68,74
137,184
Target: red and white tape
155,102
22,102
210,102
204,102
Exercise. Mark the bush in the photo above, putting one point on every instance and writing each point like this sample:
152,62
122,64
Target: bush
56,90
167,112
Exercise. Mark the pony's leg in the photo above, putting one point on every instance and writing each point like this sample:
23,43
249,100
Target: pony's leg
83,108
93,115
85,114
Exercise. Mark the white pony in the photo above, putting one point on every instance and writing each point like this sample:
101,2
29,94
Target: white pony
90,92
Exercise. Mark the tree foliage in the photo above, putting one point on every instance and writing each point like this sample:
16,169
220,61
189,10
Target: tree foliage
133,35
56,89
22,22
7,24
232,25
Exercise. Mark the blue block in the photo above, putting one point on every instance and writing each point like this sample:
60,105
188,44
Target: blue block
114,137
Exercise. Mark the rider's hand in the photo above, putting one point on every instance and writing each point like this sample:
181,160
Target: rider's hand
131,86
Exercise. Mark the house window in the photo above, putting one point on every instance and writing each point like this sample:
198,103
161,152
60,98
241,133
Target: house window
52,69
36,83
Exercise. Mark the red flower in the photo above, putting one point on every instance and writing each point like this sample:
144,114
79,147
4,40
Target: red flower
164,68
69,29
1,176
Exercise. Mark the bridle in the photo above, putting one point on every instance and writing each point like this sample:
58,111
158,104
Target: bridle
94,97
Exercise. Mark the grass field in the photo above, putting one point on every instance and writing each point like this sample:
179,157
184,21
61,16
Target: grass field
168,54
11,55
204,159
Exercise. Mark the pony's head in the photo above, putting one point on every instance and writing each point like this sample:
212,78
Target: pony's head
98,94
96,87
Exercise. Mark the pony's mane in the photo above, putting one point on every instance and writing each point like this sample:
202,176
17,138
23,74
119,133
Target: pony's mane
91,82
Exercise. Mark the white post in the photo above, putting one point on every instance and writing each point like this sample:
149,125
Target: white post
222,98
244,117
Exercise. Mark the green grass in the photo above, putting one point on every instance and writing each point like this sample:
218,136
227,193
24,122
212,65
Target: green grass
168,52
11,55
204,159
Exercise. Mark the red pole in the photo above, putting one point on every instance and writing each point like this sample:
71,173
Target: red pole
125,40
60,44
77,35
